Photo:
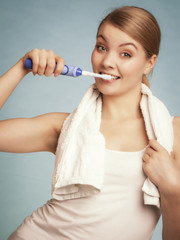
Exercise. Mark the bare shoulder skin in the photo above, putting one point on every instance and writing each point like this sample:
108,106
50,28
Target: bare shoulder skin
176,127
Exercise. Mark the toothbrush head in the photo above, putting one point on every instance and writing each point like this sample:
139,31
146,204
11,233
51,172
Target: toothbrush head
109,77
100,75
106,76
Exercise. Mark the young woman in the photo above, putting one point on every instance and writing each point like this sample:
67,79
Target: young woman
127,46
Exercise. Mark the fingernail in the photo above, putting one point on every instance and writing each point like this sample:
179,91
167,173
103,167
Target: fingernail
56,74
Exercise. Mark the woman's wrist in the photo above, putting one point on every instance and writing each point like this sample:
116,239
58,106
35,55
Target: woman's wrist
21,64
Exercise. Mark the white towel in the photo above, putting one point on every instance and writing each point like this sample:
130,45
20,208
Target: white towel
80,153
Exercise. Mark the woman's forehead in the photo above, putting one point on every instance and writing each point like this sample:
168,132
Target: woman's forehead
111,33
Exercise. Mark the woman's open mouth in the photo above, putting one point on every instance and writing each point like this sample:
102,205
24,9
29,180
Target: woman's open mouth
114,77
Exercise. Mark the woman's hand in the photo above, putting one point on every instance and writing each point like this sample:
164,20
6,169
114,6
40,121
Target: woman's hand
161,168
44,62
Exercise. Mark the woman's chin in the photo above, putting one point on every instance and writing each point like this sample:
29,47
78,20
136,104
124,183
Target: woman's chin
106,90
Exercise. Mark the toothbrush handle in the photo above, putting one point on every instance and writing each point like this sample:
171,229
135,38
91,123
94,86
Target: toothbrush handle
67,70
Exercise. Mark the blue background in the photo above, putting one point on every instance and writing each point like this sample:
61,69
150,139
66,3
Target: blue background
69,29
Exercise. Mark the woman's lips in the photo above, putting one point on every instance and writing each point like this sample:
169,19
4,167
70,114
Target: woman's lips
109,81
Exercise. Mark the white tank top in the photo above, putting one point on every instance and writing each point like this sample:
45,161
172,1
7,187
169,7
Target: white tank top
118,211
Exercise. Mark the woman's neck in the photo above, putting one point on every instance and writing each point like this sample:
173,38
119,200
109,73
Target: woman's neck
122,106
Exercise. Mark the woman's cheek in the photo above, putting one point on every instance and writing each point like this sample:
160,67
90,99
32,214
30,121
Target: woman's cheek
93,57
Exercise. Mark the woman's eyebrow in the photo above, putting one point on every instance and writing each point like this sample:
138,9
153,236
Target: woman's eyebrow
101,36
128,43
121,45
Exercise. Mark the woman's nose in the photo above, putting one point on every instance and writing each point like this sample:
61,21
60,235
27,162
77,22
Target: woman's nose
109,61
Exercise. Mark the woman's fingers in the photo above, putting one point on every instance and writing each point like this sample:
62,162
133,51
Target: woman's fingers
45,62
50,66
35,60
149,153
155,145
42,62
145,157
59,65
34,56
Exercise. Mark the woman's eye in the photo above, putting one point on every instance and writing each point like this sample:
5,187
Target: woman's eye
100,47
125,54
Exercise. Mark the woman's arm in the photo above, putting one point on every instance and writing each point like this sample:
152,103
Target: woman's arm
43,64
22,135
30,134
170,203
164,171
10,80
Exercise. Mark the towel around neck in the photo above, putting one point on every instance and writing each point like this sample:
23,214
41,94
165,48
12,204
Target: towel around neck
80,153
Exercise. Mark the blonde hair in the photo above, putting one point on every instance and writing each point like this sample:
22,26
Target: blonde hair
141,25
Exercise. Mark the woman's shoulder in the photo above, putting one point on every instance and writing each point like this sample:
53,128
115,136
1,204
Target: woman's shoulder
59,118
176,128
176,123
55,120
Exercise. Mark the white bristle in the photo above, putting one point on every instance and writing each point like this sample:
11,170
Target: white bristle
104,76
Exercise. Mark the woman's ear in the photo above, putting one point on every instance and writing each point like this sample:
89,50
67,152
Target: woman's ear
150,64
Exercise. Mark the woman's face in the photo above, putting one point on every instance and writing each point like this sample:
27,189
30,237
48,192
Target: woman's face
118,54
